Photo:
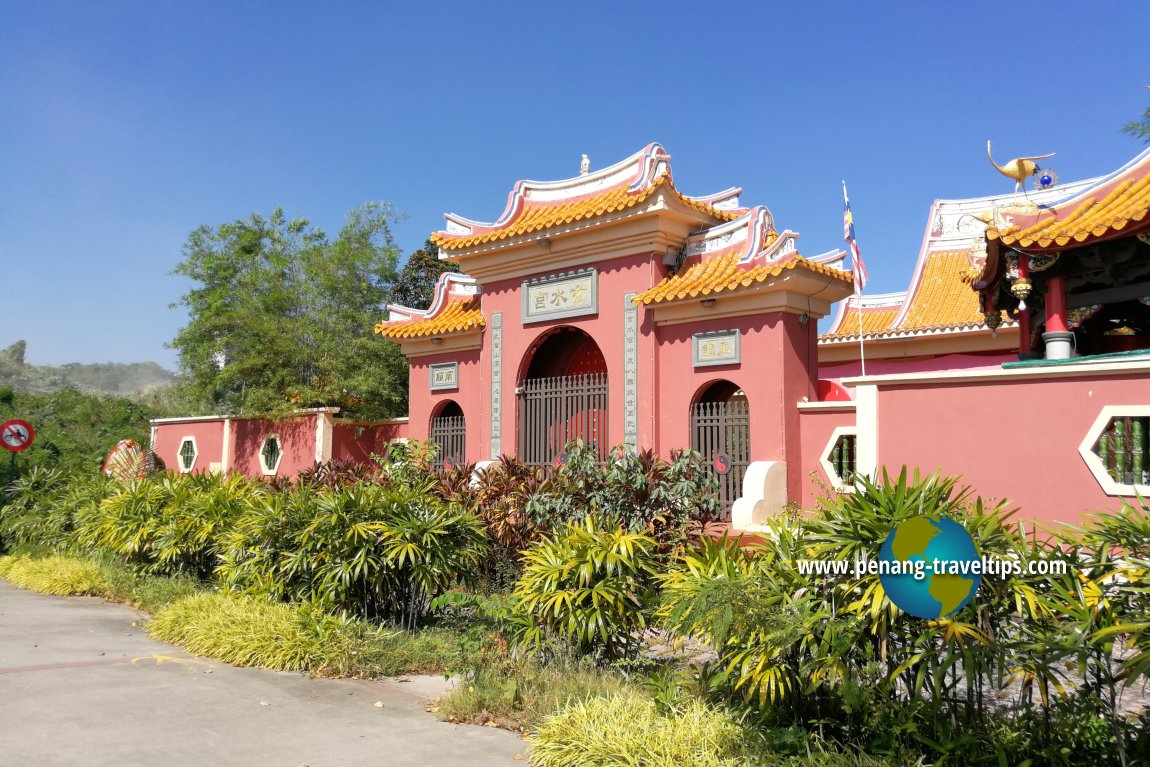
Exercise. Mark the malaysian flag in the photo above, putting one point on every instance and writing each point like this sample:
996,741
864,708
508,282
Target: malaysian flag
857,265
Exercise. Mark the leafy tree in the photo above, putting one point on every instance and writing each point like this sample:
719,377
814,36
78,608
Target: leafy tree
281,316
416,283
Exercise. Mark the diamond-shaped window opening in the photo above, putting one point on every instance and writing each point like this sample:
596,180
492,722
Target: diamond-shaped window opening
188,453
839,458
1117,449
270,455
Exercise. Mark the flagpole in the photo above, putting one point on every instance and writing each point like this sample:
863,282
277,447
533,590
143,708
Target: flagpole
858,270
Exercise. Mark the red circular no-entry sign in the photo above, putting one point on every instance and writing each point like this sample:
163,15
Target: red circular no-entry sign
16,435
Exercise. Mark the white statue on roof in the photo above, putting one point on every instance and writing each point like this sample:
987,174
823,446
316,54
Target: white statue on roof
585,166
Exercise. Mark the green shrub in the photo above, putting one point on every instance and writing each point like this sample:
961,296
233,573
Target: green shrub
590,584
638,491
379,552
42,507
250,631
627,729
168,524
57,575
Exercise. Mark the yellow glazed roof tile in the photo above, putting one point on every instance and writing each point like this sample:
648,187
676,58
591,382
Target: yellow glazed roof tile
1126,203
458,316
533,217
875,319
942,298
722,273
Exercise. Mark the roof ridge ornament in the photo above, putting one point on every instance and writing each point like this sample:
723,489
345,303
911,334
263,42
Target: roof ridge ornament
585,165
1022,168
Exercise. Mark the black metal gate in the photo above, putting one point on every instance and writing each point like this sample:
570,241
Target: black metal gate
553,411
721,432
449,433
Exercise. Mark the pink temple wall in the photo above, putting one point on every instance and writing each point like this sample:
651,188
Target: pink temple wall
296,437
358,442
775,373
208,435
815,429
473,396
1016,439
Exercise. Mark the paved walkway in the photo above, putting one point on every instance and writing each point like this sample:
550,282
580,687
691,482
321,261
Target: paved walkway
81,684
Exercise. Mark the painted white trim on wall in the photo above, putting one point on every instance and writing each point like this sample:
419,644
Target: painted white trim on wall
323,437
226,447
1109,485
1063,370
842,405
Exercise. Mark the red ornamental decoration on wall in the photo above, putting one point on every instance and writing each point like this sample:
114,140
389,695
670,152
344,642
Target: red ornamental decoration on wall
126,462
722,463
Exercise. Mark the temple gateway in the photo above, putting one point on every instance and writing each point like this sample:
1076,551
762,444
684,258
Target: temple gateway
613,308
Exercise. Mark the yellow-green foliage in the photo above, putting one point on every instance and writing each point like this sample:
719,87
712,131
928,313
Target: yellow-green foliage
62,576
626,729
251,631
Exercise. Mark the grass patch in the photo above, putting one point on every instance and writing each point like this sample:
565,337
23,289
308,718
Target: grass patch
516,697
149,593
249,631
626,728
56,575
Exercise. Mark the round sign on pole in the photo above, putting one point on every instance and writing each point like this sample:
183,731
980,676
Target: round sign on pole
16,435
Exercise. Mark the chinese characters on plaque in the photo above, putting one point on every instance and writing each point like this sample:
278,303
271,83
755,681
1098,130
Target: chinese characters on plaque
716,348
444,375
563,295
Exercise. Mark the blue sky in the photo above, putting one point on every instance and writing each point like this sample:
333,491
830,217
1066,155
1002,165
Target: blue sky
124,125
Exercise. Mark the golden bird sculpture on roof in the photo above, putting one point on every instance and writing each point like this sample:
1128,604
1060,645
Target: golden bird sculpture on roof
1019,169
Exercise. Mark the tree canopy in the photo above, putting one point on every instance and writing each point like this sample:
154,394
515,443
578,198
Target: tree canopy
281,316
416,283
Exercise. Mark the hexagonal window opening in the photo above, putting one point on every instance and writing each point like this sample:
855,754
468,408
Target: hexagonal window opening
188,454
270,455
840,459
1123,447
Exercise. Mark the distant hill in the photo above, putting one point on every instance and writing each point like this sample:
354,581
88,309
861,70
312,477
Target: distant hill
120,379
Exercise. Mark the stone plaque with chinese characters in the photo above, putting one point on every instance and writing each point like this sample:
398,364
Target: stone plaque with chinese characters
444,376
720,347
571,294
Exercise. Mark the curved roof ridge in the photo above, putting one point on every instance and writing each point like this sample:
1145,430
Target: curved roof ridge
636,171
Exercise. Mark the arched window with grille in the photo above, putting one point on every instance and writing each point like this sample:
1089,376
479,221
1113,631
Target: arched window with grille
448,432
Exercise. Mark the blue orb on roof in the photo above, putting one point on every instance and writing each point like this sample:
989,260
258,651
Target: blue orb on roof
1046,180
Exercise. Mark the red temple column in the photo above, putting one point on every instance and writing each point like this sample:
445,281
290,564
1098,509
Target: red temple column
1059,339
1023,332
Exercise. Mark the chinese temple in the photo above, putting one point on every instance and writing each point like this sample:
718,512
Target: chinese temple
614,308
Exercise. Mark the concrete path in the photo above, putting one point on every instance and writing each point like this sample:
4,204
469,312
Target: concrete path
81,684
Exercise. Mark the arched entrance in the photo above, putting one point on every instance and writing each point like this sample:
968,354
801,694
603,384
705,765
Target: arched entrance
448,431
721,433
562,395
